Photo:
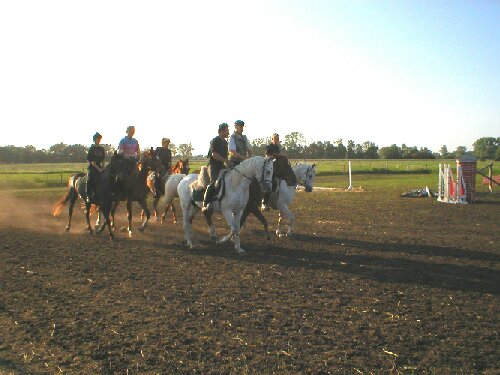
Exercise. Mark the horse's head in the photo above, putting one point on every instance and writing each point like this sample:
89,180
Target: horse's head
266,178
182,166
305,174
149,161
119,167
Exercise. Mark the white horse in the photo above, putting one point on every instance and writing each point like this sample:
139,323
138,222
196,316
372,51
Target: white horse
282,199
171,193
235,184
305,175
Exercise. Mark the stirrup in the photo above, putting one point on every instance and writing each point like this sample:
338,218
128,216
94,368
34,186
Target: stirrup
207,208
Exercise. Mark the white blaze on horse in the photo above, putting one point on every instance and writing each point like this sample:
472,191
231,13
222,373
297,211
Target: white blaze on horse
235,187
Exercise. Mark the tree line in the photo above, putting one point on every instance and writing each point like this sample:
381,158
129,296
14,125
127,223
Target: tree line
294,143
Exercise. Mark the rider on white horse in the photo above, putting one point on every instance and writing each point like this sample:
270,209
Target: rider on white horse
217,154
239,146
274,149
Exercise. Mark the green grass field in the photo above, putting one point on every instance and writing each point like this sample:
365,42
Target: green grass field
390,175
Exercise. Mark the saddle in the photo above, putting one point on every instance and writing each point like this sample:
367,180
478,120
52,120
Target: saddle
219,190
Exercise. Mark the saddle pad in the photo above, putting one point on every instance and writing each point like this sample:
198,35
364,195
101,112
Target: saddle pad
198,195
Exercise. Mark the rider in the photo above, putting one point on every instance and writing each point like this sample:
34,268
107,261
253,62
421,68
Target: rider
128,146
217,157
95,157
164,154
239,146
272,149
130,150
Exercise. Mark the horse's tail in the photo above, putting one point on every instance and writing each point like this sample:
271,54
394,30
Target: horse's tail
170,190
203,179
56,210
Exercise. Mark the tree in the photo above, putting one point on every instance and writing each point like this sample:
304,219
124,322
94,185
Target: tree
443,152
391,152
185,150
460,151
485,148
370,150
294,144
350,150
259,145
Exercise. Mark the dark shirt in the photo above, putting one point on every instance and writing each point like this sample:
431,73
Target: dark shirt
272,149
96,154
165,157
218,145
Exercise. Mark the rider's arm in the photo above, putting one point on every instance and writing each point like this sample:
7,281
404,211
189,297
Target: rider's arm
232,149
96,166
218,157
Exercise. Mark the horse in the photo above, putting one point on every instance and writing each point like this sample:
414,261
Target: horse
235,187
106,188
282,198
180,168
135,188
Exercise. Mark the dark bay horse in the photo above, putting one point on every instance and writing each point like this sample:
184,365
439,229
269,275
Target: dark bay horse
107,184
181,167
135,188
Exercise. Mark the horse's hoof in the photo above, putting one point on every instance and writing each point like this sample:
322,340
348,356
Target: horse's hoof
111,237
241,251
67,229
130,233
141,229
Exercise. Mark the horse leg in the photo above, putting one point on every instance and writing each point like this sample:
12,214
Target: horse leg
285,212
87,216
233,219
129,217
279,232
236,228
155,208
174,216
112,213
211,226
145,209
258,214
106,211
72,199
187,219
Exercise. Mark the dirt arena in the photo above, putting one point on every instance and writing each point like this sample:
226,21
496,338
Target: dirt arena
369,283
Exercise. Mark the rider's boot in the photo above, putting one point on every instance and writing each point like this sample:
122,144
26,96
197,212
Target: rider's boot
207,198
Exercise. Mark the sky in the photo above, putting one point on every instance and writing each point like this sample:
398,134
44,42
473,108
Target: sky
422,73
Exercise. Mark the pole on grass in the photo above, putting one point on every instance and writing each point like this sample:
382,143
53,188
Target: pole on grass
350,177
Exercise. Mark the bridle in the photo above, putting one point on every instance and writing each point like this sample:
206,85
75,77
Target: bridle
262,178
306,176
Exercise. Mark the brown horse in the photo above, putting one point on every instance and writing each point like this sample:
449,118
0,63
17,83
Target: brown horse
281,170
136,189
181,167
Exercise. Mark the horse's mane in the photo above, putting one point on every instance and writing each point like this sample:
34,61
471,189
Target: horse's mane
250,164
202,181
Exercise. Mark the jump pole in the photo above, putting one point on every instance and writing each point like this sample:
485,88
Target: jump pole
350,177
